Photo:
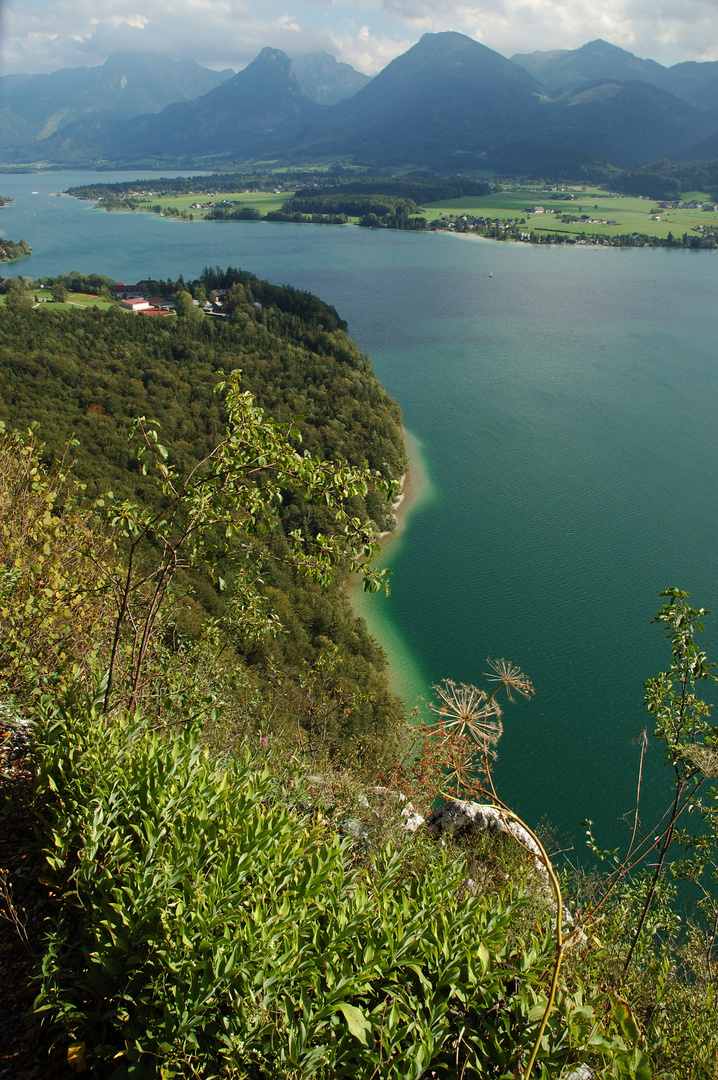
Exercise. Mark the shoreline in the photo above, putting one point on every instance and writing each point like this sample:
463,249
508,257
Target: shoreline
403,672
544,236
415,485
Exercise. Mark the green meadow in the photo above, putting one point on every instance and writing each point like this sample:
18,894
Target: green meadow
264,201
43,297
628,213
74,300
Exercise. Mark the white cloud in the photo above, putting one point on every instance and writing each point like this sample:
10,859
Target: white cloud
667,32
42,35
138,21
366,51
66,33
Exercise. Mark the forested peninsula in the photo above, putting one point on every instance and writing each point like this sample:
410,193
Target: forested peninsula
496,211
226,850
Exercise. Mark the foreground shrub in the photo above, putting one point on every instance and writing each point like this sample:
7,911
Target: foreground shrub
209,929
54,603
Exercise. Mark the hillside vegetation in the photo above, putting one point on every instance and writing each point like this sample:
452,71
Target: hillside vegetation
214,806
85,375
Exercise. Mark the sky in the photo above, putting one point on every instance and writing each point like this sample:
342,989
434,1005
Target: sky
39,36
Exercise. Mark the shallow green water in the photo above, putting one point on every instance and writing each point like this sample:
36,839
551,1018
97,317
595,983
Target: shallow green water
567,403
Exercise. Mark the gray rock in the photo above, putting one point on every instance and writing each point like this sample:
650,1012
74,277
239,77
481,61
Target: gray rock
456,818
412,820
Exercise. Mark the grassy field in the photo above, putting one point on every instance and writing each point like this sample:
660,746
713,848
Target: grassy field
629,214
264,201
608,214
75,300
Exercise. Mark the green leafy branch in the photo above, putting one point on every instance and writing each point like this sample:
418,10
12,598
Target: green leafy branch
229,503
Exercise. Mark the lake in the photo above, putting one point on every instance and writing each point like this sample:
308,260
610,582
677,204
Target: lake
566,403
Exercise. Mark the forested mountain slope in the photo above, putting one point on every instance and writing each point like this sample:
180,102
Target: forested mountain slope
87,374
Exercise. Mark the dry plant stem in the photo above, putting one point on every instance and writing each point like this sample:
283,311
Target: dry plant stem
11,915
128,584
559,931
656,874
639,856
644,745
168,570
118,627
676,810
487,764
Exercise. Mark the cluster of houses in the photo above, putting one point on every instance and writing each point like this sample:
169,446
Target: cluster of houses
140,298
209,205
692,205
136,298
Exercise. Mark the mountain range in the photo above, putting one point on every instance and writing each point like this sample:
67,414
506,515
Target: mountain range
448,104
33,108
598,61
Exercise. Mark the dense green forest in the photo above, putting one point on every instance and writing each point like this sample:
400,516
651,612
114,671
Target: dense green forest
85,375
667,179
418,188
213,183
224,850
354,205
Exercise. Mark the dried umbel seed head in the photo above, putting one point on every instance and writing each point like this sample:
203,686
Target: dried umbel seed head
466,710
704,758
462,766
512,678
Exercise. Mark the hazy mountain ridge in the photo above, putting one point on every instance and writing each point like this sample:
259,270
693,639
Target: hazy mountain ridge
448,104
445,96
324,80
267,92
235,115
127,85
568,69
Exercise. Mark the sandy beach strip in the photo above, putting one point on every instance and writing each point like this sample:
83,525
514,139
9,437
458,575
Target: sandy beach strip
415,486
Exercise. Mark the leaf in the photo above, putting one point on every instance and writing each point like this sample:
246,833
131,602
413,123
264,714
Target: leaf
357,1023
627,1022
645,1069
76,1056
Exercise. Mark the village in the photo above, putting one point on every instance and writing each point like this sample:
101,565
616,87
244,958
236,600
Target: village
141,298
147,297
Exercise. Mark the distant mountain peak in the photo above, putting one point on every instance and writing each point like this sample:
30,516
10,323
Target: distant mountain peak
600,44
324,80
268,56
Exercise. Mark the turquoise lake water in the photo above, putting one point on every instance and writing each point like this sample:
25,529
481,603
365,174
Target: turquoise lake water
566,403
